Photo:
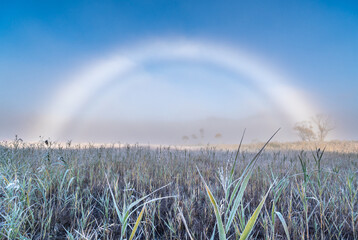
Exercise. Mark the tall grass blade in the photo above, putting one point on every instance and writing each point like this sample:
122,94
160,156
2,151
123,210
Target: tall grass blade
245,173
284,224
114,201
186,225
222,234
137,223
238,200
213,235
237,155
251,223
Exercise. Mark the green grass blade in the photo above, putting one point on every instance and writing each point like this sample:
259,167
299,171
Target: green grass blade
136,202
237,155
137,223
220,224
213,235
146,203
283,224
259,152
221,229
251,223
238,201
246,170
114,202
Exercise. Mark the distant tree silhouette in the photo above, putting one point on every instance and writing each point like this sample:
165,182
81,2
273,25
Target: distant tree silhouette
185,138
324,126
316,129
218,135
305,131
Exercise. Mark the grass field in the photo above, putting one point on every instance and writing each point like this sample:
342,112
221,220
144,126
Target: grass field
54,191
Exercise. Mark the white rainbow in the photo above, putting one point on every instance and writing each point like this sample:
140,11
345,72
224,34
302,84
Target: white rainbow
72,97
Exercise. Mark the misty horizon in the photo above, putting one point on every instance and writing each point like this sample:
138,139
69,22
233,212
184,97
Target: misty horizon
66,76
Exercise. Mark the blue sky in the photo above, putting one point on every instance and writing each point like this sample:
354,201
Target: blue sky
43,42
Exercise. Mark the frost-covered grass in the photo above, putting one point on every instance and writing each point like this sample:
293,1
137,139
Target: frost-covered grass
54,191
